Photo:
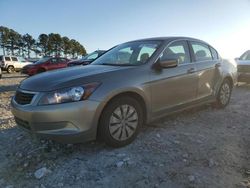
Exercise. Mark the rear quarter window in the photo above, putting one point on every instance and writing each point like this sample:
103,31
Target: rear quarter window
214,53
14,58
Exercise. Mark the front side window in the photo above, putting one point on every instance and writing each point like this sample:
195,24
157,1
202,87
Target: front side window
43,60
61,60
201,51
129,54
177,50
14,59
7,59
53,60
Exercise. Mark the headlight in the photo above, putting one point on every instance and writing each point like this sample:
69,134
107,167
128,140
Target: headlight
72,94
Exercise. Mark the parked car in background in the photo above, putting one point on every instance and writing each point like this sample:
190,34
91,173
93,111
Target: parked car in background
87,59
12,63
33,60
243,67
45,64
132,84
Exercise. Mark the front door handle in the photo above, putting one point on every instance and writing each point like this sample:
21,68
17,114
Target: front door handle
191,70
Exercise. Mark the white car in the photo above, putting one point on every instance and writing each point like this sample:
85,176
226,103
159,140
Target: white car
12,63
243,67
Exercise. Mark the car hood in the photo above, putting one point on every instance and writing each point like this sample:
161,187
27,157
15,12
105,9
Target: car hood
68,77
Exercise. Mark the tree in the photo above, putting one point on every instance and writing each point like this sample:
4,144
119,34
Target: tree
55,43
29,43
66,47
51,44
4,36
43,44
12,41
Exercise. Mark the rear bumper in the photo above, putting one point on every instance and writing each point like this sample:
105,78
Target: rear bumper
67,123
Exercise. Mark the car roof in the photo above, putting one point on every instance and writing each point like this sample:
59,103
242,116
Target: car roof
169,39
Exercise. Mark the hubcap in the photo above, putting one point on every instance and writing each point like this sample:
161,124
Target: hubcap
123,122
225,93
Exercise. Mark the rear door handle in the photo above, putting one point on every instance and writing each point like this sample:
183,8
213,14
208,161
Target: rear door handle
191,70
217,65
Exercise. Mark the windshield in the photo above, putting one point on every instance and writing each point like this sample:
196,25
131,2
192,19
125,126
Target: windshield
245,56
91,56
129,54
43,60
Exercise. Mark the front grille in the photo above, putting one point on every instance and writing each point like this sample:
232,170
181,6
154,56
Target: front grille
23,98
243,68
22,123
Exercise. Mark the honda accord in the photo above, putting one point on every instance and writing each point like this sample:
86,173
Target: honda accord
130,85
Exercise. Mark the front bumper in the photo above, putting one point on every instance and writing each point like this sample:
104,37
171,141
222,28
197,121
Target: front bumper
68,123
244,77
30,72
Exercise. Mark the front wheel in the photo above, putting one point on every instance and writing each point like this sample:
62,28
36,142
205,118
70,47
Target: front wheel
120,121
224,94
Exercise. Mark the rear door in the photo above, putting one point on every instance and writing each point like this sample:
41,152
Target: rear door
176,86
15,63
206,66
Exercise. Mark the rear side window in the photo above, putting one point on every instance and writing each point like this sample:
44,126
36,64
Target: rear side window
214,53
7,59
1,58
201,51
177,50
14,58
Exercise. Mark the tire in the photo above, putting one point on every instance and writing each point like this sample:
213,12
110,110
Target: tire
120,122
10,69
224,94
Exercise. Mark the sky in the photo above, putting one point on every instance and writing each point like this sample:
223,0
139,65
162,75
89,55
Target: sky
101,24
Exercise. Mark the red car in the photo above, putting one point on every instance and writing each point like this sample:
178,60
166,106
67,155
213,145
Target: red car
45,64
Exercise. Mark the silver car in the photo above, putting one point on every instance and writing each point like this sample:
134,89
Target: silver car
131,85
243,67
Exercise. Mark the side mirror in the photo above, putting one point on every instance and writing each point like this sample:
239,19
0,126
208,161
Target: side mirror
168,63
237,58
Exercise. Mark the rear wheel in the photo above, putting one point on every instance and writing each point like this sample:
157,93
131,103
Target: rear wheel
120,121
224,94
10,69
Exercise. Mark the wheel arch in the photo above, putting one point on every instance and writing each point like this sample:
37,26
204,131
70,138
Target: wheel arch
133,94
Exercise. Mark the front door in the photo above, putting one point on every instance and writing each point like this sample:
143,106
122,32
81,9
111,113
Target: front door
172,87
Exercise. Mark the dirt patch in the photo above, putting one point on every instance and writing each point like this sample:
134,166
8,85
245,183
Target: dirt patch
201,147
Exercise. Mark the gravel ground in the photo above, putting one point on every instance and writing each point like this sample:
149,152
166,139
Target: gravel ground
201,147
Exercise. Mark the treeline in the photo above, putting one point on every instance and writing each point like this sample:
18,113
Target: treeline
52,44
